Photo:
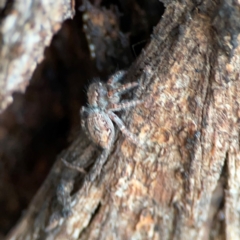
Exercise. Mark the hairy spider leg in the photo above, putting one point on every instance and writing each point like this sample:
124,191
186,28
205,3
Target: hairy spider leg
116,77
96,170
85,160
123,105
73,166
123,128
123,88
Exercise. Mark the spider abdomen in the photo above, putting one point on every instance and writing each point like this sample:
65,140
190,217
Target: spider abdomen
101,128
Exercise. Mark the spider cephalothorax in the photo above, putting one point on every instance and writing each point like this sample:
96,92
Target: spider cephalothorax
104,100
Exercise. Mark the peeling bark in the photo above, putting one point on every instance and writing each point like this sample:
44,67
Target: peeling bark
184,184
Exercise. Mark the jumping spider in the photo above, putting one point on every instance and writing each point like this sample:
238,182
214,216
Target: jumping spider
98,117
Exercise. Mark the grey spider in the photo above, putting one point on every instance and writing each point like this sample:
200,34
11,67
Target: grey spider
98,117
104,100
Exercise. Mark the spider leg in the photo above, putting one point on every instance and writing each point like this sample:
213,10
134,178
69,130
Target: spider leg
96,170
123,105
123,128
116,77
80,164
73,166
123,88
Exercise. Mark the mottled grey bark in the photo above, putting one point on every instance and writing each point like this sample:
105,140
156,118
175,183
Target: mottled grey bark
25,31
184,183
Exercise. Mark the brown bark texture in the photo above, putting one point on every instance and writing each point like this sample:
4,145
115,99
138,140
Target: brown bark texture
27,27
184,182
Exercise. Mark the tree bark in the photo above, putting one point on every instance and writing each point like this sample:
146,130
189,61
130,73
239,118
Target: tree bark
184,183
25,31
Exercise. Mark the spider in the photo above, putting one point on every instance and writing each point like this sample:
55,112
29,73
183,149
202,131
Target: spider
104,100
97,119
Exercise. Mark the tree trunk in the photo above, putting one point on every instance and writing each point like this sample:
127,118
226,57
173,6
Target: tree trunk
26,30
184,182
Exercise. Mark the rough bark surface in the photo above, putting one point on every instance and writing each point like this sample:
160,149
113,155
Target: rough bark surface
25,32
184,183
